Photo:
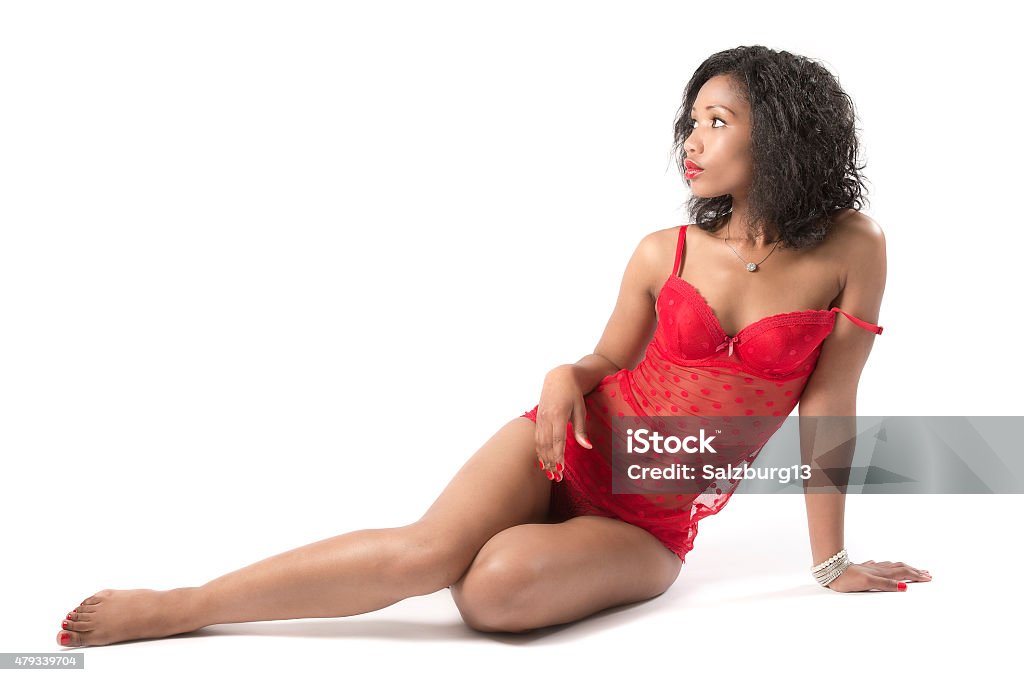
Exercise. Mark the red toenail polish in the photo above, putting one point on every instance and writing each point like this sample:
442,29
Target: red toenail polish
558,467
540,463
75,610
550,475
901,586
70,616
64,625
65,637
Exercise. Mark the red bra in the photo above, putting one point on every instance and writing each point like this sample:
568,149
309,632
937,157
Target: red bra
778,346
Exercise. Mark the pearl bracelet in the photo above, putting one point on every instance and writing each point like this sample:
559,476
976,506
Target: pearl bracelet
831,568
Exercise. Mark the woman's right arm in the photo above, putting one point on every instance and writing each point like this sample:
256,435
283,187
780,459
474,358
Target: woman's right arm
622,345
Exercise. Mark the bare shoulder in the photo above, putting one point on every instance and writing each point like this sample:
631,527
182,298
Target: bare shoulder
655,254
857,231
664,242
859,242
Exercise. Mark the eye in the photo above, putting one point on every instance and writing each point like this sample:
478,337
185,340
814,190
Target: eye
715,118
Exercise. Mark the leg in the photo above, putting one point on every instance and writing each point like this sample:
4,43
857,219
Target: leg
531,576
357,572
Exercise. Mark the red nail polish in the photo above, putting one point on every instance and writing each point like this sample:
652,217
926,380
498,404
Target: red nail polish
540,463
551,476
70,616
901,586
75,610
587,441
558,467
65,637
64,625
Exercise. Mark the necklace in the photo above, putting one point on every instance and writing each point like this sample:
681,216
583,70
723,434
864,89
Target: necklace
751,267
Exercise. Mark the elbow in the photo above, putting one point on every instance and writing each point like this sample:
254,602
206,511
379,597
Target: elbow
609,361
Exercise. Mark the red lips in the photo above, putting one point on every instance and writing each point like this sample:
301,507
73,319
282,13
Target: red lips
690,165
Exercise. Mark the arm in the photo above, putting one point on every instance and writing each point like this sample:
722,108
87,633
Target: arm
827,445
832,392
625,337
633,319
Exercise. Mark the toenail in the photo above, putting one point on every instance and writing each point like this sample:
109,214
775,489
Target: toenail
70,616
64,625
65,637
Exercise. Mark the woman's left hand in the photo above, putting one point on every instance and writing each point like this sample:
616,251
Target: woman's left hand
877,575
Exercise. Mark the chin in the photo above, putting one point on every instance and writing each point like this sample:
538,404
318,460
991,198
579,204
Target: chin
702,195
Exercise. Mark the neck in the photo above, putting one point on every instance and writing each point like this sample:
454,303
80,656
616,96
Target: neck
741,232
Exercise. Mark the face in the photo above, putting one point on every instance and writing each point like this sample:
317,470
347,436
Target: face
720,141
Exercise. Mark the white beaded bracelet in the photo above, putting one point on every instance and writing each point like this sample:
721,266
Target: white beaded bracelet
831,568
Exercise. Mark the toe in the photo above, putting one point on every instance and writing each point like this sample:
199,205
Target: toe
78,614
69,638
74,625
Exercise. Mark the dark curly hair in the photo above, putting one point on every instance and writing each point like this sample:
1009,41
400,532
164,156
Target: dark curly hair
803,142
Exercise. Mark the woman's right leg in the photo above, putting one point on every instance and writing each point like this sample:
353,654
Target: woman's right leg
500,486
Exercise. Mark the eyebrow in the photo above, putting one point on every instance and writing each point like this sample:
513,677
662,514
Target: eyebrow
720,106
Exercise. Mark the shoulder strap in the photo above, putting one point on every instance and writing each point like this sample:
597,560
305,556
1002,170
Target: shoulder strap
861,323
679,250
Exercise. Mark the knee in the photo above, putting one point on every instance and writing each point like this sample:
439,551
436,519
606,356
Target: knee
426,561
497,593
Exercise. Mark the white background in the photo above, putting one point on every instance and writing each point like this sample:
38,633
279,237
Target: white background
272,271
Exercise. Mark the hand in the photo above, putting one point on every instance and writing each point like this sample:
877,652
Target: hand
561,399
881,575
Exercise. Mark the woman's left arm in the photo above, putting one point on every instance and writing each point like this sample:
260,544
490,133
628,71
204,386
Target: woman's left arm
828,408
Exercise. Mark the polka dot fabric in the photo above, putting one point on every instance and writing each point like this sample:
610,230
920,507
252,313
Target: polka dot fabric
692,368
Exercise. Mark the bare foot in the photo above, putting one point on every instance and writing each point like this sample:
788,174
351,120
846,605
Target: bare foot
117,615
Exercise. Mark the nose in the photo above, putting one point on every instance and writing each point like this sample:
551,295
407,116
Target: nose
693,145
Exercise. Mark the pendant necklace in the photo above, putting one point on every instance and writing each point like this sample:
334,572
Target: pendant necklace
751,267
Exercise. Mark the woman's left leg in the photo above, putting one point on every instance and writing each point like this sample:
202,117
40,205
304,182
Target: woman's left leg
533,575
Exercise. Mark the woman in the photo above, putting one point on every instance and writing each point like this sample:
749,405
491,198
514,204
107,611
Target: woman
769,146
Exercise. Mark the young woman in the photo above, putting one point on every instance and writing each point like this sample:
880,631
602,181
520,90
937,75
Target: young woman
764,301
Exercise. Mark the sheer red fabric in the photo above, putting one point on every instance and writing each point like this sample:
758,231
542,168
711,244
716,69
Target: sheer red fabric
693,368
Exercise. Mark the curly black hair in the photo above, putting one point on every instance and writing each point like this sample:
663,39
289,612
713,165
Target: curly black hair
803,142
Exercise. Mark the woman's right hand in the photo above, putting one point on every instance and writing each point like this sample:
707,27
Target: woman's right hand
561,400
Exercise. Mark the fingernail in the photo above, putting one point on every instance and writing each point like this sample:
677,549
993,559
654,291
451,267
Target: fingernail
901,586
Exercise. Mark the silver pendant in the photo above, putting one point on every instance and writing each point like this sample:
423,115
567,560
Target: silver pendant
751,267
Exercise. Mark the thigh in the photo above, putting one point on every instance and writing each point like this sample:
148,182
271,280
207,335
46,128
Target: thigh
500,486
532,575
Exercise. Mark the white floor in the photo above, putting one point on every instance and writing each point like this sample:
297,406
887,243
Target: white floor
744,604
